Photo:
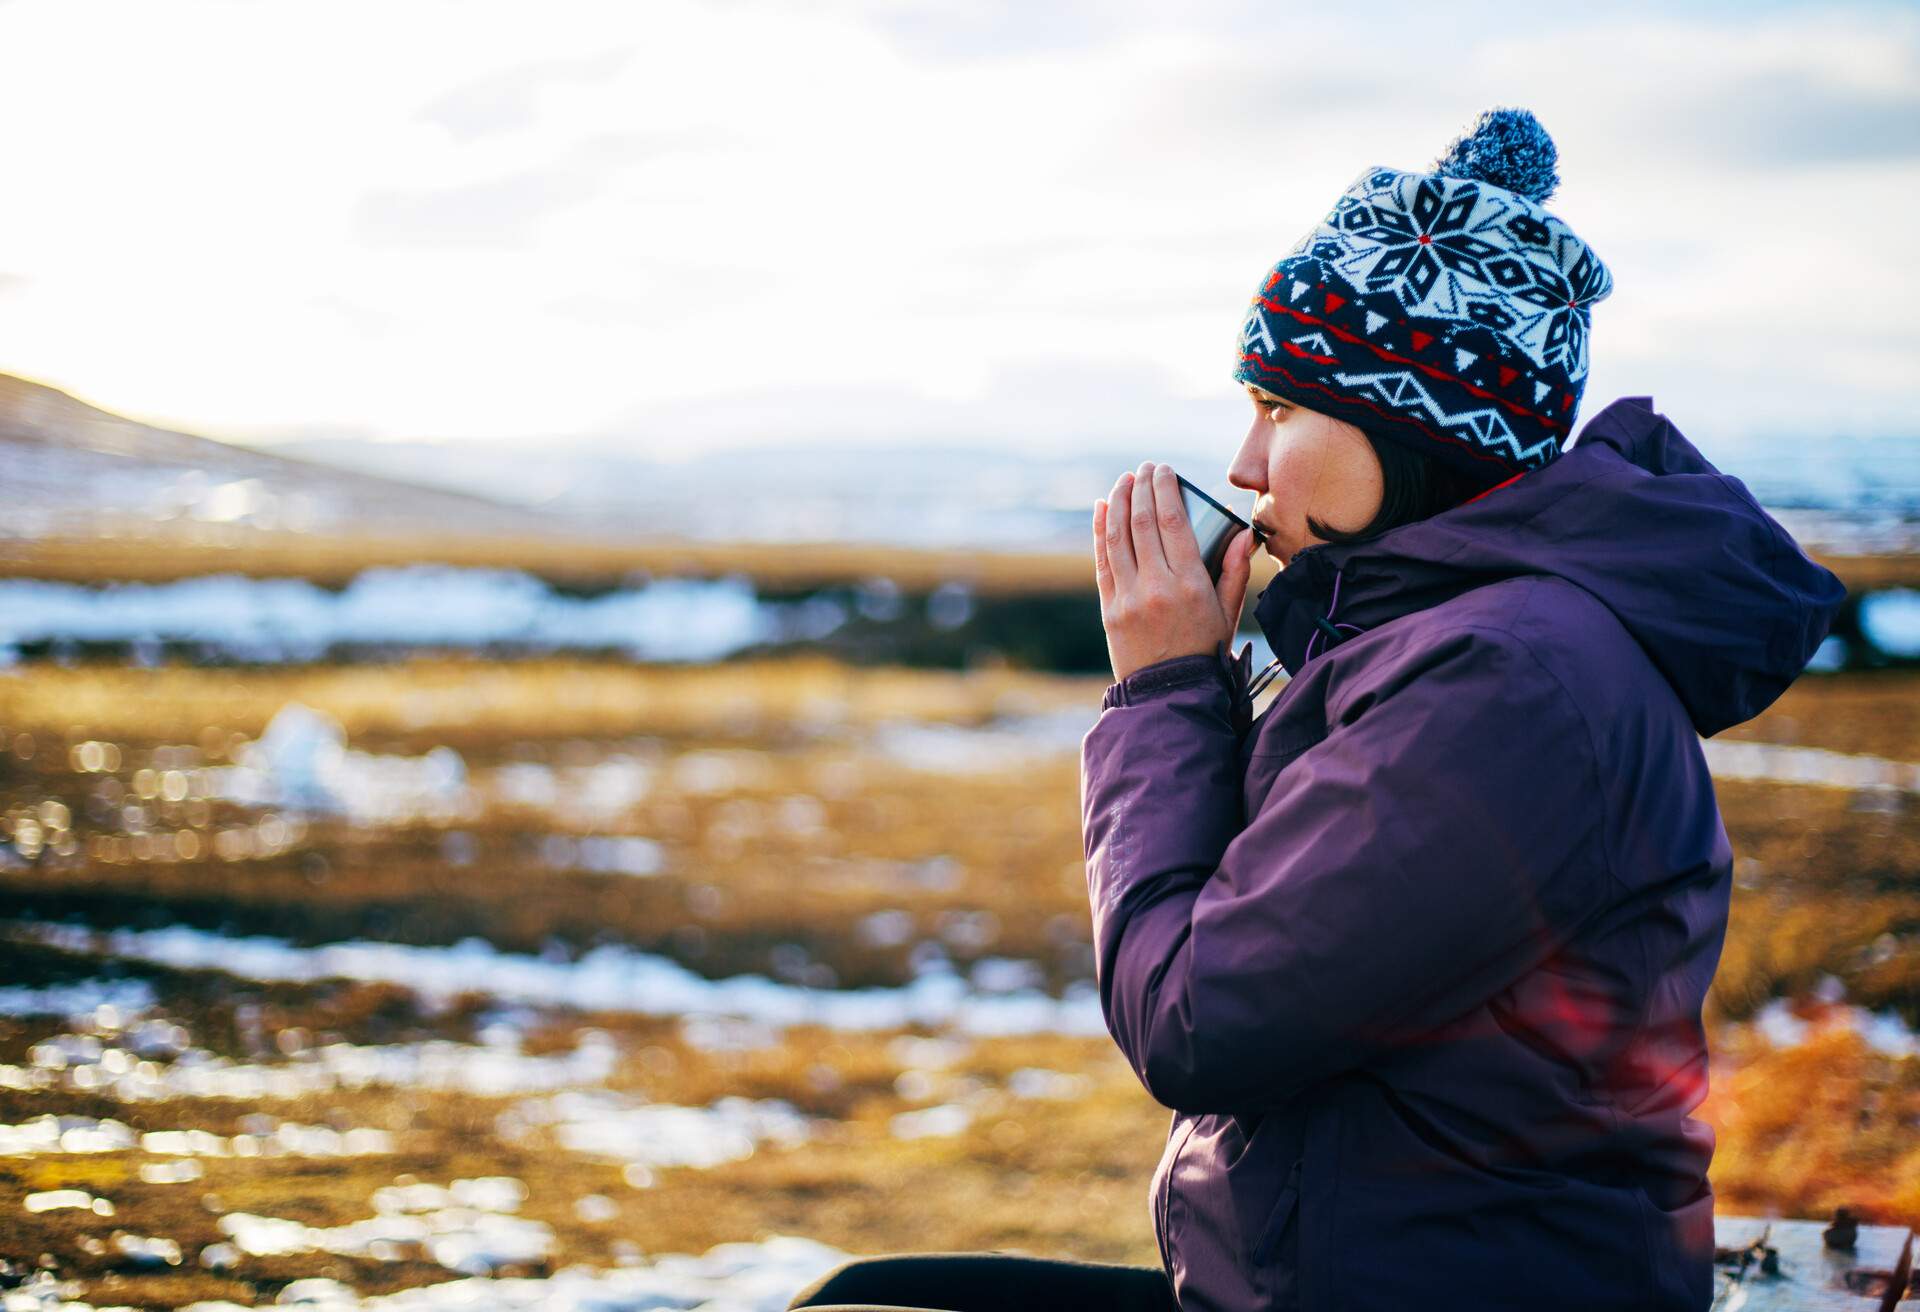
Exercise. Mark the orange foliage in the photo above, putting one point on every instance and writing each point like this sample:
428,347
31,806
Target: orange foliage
1803,1130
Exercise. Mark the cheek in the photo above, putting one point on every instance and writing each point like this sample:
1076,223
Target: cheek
1296,472
1353,474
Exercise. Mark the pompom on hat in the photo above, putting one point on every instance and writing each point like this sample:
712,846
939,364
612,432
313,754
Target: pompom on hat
1446,311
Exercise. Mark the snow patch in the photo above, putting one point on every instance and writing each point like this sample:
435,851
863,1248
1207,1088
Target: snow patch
416,606
607,978
1729,758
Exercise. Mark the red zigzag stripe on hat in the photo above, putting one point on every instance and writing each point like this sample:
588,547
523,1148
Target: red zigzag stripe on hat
1431,434
1430,370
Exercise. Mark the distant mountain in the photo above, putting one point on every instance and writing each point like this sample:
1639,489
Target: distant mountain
910,494
1848,494
71,469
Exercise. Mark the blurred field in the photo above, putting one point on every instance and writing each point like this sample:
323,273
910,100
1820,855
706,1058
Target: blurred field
819,827
332,561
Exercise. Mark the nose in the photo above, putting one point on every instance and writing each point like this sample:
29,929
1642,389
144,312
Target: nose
1249,467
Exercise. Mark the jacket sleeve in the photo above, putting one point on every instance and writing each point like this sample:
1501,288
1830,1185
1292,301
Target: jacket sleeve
1444,837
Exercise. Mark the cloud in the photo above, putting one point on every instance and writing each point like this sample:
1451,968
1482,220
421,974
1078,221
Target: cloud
901,217
506,100
1051,402
500,212
971,31
1792,119
504,211
663,281
364,320
1788,89
1268,117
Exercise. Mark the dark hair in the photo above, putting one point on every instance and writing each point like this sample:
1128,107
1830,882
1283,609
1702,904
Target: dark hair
1417,486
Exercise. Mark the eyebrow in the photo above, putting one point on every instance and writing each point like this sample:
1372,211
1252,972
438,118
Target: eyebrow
1267,397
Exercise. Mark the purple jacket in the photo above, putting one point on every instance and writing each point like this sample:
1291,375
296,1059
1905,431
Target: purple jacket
1417,956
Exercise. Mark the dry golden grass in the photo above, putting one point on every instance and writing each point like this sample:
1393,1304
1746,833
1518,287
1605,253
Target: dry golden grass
571,562
591,562
1821,888
1007,862
1045,1177
473,701
1870,713
1825,888
1800,1132
737,872
1804,1130
1826,885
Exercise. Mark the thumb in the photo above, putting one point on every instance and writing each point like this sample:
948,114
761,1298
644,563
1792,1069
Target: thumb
1234,572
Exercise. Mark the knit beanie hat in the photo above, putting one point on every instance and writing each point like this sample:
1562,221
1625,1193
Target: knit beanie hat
1446,311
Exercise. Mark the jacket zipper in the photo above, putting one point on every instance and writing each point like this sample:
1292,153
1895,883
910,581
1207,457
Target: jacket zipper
1162,1206
1283,1209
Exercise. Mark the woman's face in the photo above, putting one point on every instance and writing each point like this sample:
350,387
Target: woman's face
1303,463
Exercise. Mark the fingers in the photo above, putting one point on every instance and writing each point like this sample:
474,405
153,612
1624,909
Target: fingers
1156,600
1148,553
1181,548
1119,538
1235,570
1102,571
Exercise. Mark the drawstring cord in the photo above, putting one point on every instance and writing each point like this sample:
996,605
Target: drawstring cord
1323,625
1262,679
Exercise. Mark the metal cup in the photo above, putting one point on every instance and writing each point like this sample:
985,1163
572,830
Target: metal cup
1214,526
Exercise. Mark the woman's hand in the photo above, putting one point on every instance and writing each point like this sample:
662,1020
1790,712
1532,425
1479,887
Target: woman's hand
1156,600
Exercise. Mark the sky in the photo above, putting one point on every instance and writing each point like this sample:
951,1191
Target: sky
677,224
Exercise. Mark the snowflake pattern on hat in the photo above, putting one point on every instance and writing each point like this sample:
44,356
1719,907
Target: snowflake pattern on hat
1444,312
1450,248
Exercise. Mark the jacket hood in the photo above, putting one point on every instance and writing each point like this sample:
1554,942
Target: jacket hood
1723,600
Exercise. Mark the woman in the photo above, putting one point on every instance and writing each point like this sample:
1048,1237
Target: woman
1417,956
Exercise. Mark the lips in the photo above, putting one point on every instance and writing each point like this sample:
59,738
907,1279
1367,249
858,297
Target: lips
1265,539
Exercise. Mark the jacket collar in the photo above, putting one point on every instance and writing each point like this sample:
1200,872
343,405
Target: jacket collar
1725,603
1331,591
